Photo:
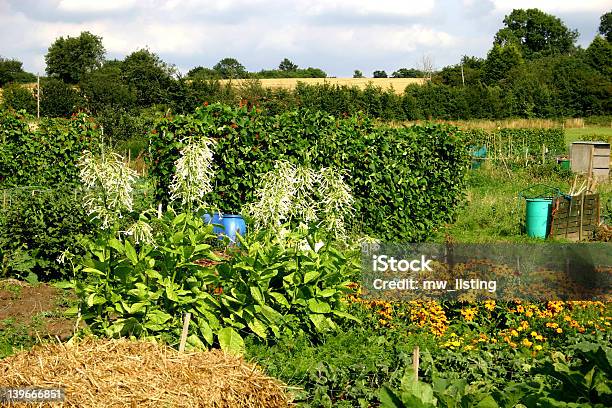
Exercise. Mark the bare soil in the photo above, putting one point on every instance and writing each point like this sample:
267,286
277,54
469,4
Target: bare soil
39,307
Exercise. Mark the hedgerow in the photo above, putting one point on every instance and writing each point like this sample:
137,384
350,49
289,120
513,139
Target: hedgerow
406,181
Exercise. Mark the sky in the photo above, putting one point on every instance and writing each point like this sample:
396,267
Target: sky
338,36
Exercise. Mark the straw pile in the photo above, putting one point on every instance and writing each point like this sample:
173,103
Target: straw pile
123,373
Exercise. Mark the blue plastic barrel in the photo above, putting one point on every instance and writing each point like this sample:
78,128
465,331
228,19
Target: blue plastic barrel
216,220
234,224
537,219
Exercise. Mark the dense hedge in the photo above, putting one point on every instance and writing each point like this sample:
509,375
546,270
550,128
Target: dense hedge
43,153
406,181
40,214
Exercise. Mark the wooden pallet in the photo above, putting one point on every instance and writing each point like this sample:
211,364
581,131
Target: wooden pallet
576,218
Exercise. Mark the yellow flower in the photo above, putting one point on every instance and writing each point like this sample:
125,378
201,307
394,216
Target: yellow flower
514,333
526,343
528,313
468,314
537,347
559,330
489,305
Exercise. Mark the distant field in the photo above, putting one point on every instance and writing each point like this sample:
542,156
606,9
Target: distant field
398,84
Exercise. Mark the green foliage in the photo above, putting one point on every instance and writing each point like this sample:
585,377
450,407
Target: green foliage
48,154
379,74
105,90
500,60
17,97
36,227
268,286
71,58
58,99
605,25
599,56
344,369
148,76
287,65
230,68
405,181
408,73
582,377
11,70
536,33
516,144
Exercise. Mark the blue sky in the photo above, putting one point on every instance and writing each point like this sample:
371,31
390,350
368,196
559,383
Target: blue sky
338,36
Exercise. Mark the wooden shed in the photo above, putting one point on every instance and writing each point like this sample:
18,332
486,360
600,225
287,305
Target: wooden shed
591,158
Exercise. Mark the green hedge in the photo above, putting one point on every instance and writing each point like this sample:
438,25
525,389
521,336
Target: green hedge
406,181
40,211
42,153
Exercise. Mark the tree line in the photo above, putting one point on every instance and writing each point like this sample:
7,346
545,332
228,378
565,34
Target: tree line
533,69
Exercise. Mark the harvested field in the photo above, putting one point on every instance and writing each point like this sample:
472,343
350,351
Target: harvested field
122,373
397,84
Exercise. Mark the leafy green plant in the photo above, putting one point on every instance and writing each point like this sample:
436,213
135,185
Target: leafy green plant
405,182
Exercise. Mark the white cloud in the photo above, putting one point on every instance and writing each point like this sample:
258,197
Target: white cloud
95,6
552,6
367,7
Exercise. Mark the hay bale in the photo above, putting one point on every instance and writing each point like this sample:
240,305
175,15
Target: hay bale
119,373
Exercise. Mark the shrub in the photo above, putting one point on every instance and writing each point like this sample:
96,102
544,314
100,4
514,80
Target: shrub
406,182
18,97
266,287
37,226
47,152
58,99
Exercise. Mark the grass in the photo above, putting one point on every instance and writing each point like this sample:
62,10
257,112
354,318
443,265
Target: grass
493,210
588,133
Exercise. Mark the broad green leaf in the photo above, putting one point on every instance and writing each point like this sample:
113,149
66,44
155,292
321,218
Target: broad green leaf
195,343
130,252
258,328
311,276
206,331
257,295
230,341
317,306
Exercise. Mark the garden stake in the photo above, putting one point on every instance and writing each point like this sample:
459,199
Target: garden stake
185,331
415,363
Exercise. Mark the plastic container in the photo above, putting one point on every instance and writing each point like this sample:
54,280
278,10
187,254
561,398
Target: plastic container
478,156
565,164
234,224
537,219
214,219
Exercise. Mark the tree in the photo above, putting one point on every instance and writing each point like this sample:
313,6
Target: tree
599,56
11,71
605,26
357,74
148,75
407,73
202,73
230,68
427,66
287,65
536,33
105,88
71,58
500,60
379,74
472,72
